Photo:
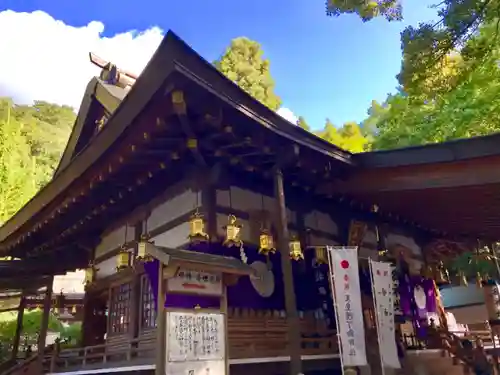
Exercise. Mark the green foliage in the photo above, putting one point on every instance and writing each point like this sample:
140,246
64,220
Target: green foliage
366,9
301,121
428,47
32,321
470,107
244,64
32,139
349,137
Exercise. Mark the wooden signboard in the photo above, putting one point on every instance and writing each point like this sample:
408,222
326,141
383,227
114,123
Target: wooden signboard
195,343
188,281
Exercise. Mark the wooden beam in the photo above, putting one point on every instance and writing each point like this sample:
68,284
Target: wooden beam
292,316
161,324
42,338
179,106
418,177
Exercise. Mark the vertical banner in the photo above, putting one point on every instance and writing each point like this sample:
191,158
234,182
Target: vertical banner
383,298
344,276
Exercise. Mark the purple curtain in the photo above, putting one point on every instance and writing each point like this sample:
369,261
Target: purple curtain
243,294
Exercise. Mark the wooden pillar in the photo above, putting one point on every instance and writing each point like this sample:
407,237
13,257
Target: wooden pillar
135,296
293,321
19,327
46,315
87,315
161,344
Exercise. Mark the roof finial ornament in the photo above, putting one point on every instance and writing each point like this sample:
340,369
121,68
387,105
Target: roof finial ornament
111,74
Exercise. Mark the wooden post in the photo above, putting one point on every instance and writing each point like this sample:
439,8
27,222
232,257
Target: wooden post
293,322
223,310
161,350
45,317
19,327
135,297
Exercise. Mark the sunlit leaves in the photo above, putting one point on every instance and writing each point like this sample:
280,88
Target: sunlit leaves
244,64
366,9
32,139
348,137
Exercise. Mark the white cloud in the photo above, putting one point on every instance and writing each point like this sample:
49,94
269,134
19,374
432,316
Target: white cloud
44,59
287,114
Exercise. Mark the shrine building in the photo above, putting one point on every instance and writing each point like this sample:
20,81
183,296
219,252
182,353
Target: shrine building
180,193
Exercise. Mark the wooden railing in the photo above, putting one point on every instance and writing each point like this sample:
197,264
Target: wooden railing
474,349
250,335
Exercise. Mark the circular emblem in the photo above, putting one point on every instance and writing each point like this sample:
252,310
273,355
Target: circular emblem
420,297
344,264
263,281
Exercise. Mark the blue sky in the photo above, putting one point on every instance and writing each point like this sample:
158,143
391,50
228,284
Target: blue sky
323,67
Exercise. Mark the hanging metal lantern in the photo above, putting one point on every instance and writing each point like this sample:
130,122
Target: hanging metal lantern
89,274
320,255
479,280
266,242
197,232
233,232
463,278
295,249
123,259
73,310
141,250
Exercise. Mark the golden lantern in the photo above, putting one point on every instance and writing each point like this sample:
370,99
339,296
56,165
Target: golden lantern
89,274
233,232
382,252
295,249
141,250
197,232
266,243
73,310
123,259
320,255
463,278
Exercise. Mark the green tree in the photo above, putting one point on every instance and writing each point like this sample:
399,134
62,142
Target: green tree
470,108
348,137
32,321
430,43
301,122
366,9
32,139
18,171
244,64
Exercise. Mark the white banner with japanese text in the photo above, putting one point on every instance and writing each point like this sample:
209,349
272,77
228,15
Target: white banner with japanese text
383,299
344,274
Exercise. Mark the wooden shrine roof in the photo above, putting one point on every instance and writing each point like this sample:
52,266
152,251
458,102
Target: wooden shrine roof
451,189
83,183
144,146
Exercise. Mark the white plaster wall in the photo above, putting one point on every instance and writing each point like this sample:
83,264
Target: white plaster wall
163,213
246,200
174,237
321,221
114,240
173,208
